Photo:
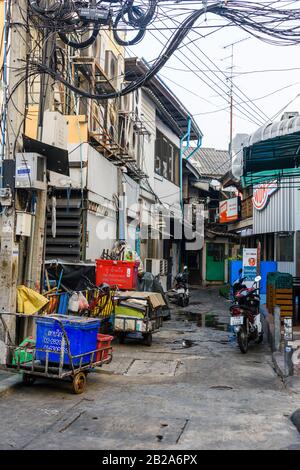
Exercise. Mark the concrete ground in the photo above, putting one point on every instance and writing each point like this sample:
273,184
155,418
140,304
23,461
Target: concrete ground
207,396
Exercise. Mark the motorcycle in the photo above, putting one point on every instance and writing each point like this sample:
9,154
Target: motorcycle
238,283
181,294
245,316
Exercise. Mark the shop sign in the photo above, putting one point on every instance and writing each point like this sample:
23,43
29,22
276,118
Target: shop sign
262,194
229,210
288,328
250,263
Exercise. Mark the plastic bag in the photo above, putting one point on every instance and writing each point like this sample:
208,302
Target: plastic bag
83,303
74,303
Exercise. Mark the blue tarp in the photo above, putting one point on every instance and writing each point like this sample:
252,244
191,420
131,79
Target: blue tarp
265,268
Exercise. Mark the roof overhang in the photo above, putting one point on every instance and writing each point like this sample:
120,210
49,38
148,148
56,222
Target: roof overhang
190,168
273,151
135,68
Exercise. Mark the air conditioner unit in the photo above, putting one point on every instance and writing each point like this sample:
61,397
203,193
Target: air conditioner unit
137,104
93,51
163,267
126,106
153,266
56,131
112,124
96,117
112,68
121,71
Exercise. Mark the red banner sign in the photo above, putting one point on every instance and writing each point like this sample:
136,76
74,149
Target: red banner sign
229,210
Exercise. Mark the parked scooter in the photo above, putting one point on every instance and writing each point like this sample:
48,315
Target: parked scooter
245,316
239,283
180,293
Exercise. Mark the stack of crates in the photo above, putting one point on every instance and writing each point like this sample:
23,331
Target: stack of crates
280,292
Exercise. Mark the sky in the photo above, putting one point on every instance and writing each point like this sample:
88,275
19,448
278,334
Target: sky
181,74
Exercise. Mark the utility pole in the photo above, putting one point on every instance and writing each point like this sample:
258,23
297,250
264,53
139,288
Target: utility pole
35,259
9,249
231,89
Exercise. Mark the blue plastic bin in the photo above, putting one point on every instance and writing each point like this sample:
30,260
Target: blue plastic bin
81,332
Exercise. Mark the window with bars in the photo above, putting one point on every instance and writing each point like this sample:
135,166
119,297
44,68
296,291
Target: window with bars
166,158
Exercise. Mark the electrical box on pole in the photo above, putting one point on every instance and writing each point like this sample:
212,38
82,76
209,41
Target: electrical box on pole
31,171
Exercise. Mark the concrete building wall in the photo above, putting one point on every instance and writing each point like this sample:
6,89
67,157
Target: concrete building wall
102,175
100,178
148,113
101,234
167,191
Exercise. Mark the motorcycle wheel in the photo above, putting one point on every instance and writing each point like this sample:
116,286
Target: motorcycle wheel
242,339
259,339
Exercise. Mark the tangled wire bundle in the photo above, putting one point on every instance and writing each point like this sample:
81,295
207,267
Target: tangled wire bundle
270,24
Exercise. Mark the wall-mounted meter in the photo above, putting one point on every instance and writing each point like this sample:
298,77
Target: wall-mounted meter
23,225
31,171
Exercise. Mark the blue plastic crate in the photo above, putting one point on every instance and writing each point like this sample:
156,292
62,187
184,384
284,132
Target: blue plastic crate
81,332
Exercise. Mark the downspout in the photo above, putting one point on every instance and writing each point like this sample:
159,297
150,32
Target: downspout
122,207
5,84
183,150
199,143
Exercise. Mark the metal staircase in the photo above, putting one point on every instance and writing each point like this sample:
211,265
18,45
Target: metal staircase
68,243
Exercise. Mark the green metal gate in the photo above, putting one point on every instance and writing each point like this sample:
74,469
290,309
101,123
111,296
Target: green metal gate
215,262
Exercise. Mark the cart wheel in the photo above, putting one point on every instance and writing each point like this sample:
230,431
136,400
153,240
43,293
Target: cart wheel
148,339
28,380
79,383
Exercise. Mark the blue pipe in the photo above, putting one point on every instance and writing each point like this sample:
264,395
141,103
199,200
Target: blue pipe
199,143
187,137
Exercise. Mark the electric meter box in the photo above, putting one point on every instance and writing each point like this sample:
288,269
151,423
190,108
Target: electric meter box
23,225
31,171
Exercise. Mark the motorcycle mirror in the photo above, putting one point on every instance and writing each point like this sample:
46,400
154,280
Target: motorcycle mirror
257,279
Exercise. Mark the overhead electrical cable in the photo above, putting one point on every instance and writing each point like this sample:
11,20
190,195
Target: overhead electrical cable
275,26
240,93
211,83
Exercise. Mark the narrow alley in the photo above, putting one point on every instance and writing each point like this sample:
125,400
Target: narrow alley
149,228
206,396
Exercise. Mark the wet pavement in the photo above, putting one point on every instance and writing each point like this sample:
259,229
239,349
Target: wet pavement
192,389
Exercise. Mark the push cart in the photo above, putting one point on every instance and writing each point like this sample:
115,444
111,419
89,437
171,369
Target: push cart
138,313
53,362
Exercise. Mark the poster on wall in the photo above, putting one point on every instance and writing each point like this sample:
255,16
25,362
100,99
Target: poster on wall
250,263
229,210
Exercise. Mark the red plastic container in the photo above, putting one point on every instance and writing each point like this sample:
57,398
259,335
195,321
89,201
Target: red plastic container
123,274
103,341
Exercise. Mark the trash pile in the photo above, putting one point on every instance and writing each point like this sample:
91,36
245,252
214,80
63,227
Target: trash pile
82,307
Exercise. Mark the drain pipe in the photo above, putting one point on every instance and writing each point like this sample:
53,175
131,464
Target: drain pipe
183,149
122,205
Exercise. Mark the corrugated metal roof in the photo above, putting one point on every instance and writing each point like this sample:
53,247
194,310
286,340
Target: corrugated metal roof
212,162
274,129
